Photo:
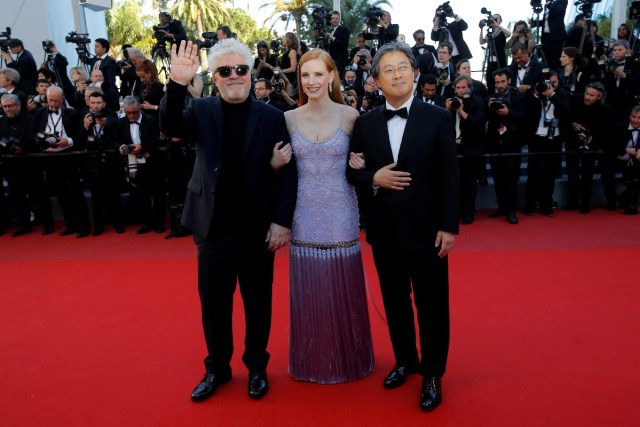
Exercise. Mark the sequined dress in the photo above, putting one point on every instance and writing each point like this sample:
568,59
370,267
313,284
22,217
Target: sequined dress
330,336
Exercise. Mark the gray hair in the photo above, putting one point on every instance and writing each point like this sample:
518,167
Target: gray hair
131,101
10,97
228,47
620,43
54,89
12,75
135,51
468,79
394,46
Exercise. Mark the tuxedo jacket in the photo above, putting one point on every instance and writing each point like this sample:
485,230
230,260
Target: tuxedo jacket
338,48
557,9
26,66
413,216
109,68
532,76
71,121
149,134
270,196
455,30
472,130
19,128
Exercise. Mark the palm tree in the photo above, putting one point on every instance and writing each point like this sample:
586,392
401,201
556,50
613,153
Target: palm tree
204,15
286,10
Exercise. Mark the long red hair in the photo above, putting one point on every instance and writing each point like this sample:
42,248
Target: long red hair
335,94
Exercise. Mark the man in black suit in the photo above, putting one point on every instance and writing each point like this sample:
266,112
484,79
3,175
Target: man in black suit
525,71
57,129
24,64
428,84
451,32
412,217
362,44
57,63
338,40
104,62
235,199
553,31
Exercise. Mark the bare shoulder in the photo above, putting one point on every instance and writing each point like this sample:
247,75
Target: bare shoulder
349,116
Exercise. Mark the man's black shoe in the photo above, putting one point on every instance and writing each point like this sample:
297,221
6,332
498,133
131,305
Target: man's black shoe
97,230
143,230
208,386
468,219
119,229
398,376
431,395
512,218
258,385
68,232
160,229
47,229
528,209
83,233
21,231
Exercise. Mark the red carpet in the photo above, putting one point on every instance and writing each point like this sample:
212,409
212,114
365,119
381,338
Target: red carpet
105,331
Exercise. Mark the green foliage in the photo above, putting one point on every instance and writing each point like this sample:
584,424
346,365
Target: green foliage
246,28
126,23
199,16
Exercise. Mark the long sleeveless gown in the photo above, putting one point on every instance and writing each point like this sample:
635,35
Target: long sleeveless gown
330,335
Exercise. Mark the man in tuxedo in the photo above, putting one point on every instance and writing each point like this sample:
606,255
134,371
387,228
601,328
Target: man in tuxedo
525,71
238,207
428,90
451,32
9,79
444,70
104,62
412,217
553,31
338,40
24,64
362,44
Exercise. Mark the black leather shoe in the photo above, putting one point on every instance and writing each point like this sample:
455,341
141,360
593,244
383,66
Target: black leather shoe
585,209
258,385
528,209
160,229
497,213
119,229
547,212
46,230
208,386
431,395
398,376
68,232
512,218
97,230
467,219
143,230
82,234
21,231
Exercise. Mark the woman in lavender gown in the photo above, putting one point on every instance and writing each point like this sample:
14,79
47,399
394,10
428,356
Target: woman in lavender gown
330,336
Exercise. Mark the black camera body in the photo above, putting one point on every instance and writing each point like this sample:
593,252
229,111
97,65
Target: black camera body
127,149
47,46
443,12
584,138
96,114
586,7
443,73
274,46
5,36
372,16
210,39
489,19
47,140
362,60
374,99
157,34
77,38
455,103
9,143
499,102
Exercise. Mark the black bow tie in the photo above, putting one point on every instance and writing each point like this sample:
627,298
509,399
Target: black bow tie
388,114
54,111
522,67
134,123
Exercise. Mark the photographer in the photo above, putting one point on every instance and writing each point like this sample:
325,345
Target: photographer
362,44
521,34
350,81
621,79
496,40
463,68
80,81
362,64
468,118
35,101
372,96
450,32
129,80
223,32
547,112
630,137
138,137
338,40
169,29
428,84
103,170
386,31
57,64
506,116
24,64
56,128
525,71
104,62
553,30
265,62
281,96
150,91
9,79
444,70
590,120
17,138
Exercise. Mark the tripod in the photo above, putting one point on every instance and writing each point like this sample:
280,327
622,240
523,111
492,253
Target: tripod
160,55
83,57
491,61
537,53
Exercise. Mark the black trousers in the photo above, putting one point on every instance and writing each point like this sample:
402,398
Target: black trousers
580,169
470,171
541,171
401,272
552,50
506,173
223,261
63,176
105,175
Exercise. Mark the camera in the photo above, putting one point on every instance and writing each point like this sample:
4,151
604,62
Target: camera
489,20
210,39
499,102
38,99
584,139
157,34
551,125
127,149
374,99
47,46
274,46
455,103
5,36
47,140
362,60
443,11
278,86
77,38
9,143
536,5
586,7
372,17
96,114
442,73
321,18
545,82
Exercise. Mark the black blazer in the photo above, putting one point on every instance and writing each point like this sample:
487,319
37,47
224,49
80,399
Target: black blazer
411,217
270,196
532,76
455,30
338,48
71,121
26,66
472,130
149,134
109,68
557,9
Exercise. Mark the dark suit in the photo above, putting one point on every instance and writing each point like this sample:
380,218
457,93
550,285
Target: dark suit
26,66
402,227
338,48
455,29
532,75
109,68
227,254
552,41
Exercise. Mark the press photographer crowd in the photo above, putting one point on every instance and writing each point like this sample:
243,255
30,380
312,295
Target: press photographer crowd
564,94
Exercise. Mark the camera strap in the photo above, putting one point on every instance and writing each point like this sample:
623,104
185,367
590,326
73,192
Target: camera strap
54,126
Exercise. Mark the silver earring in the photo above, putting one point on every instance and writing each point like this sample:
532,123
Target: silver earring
330,86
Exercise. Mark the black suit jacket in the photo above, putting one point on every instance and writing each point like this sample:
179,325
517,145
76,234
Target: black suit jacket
411,217
338,48
455,30
557,9
109,68
26,66
149,134
532,76
271,196
71,121
472,129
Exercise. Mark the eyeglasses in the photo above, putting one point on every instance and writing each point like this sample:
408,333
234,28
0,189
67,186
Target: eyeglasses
403,69
420,39
225,70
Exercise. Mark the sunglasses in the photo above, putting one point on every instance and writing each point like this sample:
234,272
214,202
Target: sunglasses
420,39
225,70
